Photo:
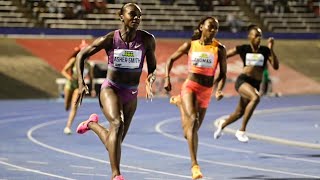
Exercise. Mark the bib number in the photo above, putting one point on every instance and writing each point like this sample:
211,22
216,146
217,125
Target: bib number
253,59
202,59
124,58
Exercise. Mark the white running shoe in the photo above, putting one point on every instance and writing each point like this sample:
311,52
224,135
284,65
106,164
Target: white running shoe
241,136
67,131
218,132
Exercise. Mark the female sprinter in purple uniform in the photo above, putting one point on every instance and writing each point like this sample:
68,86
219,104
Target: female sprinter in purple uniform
126,48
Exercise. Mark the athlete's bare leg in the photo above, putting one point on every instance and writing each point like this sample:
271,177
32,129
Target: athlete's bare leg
67,98
74,108
248,92
191,117
238,113
113,111
248,101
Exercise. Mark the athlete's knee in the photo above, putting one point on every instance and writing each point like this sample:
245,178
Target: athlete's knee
116,123
193,121
115,131
191,124
255,98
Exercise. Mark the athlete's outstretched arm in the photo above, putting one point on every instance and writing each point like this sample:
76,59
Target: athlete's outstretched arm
67,67
82,56
183,49
273,59
223,72
231,52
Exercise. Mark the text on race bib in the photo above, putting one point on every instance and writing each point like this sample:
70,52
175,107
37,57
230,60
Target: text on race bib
254,59
124,58
202,59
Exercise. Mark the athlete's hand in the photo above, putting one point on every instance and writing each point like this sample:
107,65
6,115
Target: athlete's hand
219,95
149,82
83,89
270,43
167,84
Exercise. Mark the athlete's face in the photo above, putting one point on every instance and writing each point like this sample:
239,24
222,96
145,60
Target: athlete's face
131,16
209,28
255,36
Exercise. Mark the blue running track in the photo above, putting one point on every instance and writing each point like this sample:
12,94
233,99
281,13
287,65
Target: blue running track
284,144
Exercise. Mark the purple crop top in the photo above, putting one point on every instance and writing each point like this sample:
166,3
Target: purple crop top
126,57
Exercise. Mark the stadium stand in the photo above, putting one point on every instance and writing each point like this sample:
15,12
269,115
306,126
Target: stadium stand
181,15
11,16
157,15
296,17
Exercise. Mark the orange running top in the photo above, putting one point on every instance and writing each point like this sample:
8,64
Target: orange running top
203,59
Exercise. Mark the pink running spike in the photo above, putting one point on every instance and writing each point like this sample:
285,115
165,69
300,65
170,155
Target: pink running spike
83,127
120,177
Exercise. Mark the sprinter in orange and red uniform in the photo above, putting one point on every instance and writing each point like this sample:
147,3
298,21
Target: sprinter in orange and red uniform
204,55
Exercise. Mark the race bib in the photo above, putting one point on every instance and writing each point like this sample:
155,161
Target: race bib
254,59
202,59
124,58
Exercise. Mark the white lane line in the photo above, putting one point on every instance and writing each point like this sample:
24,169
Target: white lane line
15,169
217,162
159,130
3,159
35,171
38,162
26,118
81,167
12,115
275,139
166,121
280,110
32,139
91,174
149,150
